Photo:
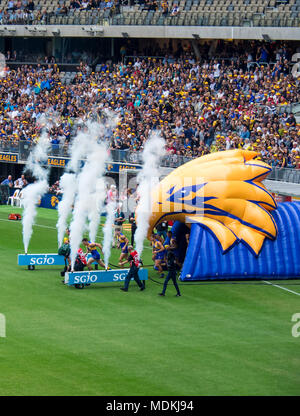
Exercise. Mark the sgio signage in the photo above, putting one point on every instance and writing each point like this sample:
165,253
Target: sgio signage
40,260
101,276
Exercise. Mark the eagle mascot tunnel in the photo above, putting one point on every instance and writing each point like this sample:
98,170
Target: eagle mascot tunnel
236,228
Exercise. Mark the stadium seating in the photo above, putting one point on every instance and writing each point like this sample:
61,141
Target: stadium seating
191,13
12,199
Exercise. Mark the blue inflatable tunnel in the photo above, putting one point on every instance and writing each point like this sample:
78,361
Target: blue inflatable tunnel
278,259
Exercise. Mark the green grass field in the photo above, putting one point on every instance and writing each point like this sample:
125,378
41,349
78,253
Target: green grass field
217,339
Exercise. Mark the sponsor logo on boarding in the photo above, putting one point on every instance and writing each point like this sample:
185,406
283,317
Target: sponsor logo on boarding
85,278
43,260
119,277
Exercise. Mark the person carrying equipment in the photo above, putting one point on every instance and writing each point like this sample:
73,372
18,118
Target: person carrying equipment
80,261
134,261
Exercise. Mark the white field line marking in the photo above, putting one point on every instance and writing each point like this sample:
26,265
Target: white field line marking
35,225
283,288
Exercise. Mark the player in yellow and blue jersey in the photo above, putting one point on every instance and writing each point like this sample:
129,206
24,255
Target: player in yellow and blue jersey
95,255
122,244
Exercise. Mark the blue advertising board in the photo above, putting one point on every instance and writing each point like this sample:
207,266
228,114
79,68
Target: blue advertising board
101,276
9,157
61,162
49,201
57,162
51,259
43,259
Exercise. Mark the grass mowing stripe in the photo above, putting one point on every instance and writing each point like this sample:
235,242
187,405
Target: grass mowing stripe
217,339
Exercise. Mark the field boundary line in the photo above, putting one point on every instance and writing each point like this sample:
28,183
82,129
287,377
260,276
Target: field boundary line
281,287
34,225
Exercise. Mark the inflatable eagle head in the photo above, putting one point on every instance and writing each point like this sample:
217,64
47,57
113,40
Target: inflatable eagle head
223,192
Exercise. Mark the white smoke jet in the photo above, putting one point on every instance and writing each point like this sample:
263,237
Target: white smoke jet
93,169
68,182
34,192
96,207
68,187
79,149
108,230
153,152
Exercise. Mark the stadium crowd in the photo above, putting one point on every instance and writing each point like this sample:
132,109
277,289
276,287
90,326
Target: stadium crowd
200,107
27,12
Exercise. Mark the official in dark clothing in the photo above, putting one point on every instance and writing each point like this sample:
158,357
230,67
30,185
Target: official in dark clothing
133,226
162,229
134,261
171,264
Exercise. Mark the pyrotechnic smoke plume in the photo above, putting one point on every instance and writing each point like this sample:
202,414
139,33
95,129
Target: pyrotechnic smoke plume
33,192
108,230
153,151
68,182
93,169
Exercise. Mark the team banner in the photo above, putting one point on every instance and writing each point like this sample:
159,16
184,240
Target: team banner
49,201
61,162
57,162
9,157
101,276
117,167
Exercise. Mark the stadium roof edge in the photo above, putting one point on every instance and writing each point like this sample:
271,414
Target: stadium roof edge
173,32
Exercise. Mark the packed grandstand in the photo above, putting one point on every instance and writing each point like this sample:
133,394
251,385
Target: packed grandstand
152,12
200,106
